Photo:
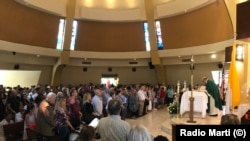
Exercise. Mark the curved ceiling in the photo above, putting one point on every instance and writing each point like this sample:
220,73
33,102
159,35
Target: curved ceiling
102,10
117,10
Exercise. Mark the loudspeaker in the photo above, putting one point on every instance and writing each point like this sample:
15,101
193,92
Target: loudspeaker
16,67
109,69
228,54
220,65
151,66
133,69
85,69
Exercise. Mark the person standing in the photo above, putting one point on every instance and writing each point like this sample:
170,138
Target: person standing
141,95
214,96
162,96
133,102
14,104
106,96
63,124
73,104
29,120
2,105
170,94
97,102
45,123
112,127
87,109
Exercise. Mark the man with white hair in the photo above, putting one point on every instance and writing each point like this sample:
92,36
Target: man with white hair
45,117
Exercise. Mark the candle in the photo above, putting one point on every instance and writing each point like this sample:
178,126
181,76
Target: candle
178,87
185,85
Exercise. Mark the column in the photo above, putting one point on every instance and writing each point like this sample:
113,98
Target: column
64,56
156,61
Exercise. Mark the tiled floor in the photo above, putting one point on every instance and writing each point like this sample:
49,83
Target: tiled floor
159,122
153,121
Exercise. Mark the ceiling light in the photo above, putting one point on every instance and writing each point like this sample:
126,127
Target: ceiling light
239,53
241,1
213,56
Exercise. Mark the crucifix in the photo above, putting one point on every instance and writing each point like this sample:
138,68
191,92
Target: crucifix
191,99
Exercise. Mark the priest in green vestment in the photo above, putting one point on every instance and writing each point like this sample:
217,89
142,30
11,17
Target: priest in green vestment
214,93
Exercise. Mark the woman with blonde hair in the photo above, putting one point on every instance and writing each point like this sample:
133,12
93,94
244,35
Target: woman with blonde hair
139,133
87,109
62,122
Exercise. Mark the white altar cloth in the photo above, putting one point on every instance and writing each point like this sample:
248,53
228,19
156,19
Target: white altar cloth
200,102
242,109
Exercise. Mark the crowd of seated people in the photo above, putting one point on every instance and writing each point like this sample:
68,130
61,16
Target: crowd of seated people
56,112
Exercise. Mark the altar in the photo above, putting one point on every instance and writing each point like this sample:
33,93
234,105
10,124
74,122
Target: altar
200,102
242,109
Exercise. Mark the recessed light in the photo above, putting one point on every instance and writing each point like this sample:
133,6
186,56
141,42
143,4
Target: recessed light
213,56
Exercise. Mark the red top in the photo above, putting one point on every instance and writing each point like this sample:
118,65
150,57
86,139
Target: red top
162,94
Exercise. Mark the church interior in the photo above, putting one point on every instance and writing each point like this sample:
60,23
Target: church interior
123,42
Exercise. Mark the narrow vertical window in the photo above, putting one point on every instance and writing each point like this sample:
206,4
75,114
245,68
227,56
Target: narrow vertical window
158,36
146,35
60,36
73,36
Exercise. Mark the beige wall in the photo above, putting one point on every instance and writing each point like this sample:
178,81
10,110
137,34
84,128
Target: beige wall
45,71
183,73
75,75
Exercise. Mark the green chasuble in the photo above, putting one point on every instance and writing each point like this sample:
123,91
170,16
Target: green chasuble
213,90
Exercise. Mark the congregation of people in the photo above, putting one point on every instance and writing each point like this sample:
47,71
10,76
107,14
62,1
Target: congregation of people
57,112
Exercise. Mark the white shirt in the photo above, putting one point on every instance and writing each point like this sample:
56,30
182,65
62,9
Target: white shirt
141,95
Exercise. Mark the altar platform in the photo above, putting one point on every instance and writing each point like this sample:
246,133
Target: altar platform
208,120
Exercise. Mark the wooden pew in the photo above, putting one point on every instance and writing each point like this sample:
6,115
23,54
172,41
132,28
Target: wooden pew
31,134
13,132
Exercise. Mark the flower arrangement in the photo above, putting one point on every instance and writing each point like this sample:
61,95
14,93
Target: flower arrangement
173,108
